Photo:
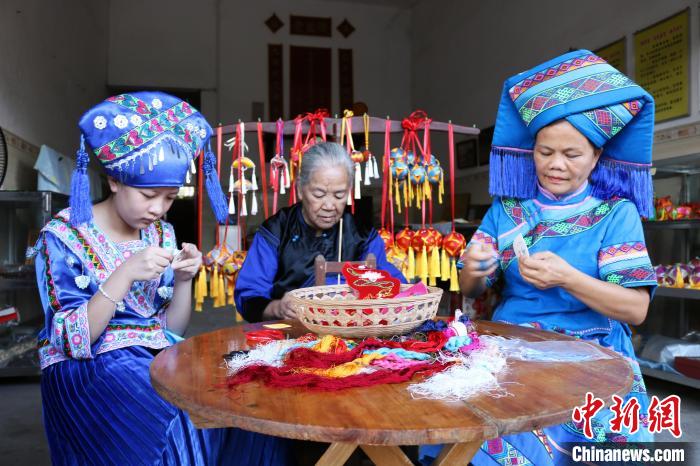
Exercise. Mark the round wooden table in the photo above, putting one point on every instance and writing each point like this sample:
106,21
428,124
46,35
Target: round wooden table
379,419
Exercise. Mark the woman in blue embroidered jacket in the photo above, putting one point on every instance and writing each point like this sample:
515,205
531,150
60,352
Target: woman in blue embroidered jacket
570,173
114,288
281,257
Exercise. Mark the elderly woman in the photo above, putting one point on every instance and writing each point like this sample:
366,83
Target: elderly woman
570,171
281,257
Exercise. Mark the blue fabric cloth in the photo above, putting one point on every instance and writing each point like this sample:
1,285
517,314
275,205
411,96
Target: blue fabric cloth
603,104
98,403
603,239
103,411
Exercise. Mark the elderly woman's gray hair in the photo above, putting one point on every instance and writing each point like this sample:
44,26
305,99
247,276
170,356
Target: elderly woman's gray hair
325,155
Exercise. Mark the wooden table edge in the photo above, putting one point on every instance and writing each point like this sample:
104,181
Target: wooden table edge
204,417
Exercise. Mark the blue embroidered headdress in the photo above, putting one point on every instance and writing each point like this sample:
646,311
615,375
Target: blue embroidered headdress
145,140
603,104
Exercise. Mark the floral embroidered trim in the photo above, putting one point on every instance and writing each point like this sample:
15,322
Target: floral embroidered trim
50,287
116,336
102,257
156,124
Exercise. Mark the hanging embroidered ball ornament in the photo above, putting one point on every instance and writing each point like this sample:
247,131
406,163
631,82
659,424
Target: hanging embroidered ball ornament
436,176
404,237
399,175
422,244
213,262
242,165
403,241
387,237
232,265
357,156
453,245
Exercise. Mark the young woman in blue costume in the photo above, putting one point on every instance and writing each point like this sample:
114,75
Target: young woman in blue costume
570,173
116,290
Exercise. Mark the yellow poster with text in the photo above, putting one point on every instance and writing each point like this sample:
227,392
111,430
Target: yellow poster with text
662,62
615,54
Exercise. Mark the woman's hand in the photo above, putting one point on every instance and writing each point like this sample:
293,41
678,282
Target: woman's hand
479,261
187,264
545,270
280,309
147,264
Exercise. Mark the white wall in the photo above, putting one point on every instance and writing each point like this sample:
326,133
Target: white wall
463,51
54,65
173,43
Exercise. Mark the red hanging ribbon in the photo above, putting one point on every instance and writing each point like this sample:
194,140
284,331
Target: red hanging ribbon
316,122
219,142
295,157
241,181
263,170
385,165
451,143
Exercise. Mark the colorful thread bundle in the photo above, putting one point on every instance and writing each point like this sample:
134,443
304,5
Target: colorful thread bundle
329,363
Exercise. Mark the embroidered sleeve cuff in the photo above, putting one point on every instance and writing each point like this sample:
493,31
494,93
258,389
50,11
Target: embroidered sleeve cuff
632,277
71,333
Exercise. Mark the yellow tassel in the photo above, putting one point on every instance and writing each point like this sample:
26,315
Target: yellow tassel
444,266
426,188
419,272
454,281
442,188
411,272
229,291
434,265
213,283
424,266
222,291
203,282
198,291
397,196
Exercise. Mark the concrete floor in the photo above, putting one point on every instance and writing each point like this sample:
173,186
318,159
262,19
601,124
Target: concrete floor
22,439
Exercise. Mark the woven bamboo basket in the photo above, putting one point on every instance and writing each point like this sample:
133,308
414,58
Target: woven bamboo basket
336,311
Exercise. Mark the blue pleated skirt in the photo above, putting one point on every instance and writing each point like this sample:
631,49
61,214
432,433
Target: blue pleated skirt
104,411
549,446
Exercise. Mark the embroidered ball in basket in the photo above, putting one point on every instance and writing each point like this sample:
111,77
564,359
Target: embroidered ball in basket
335,310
